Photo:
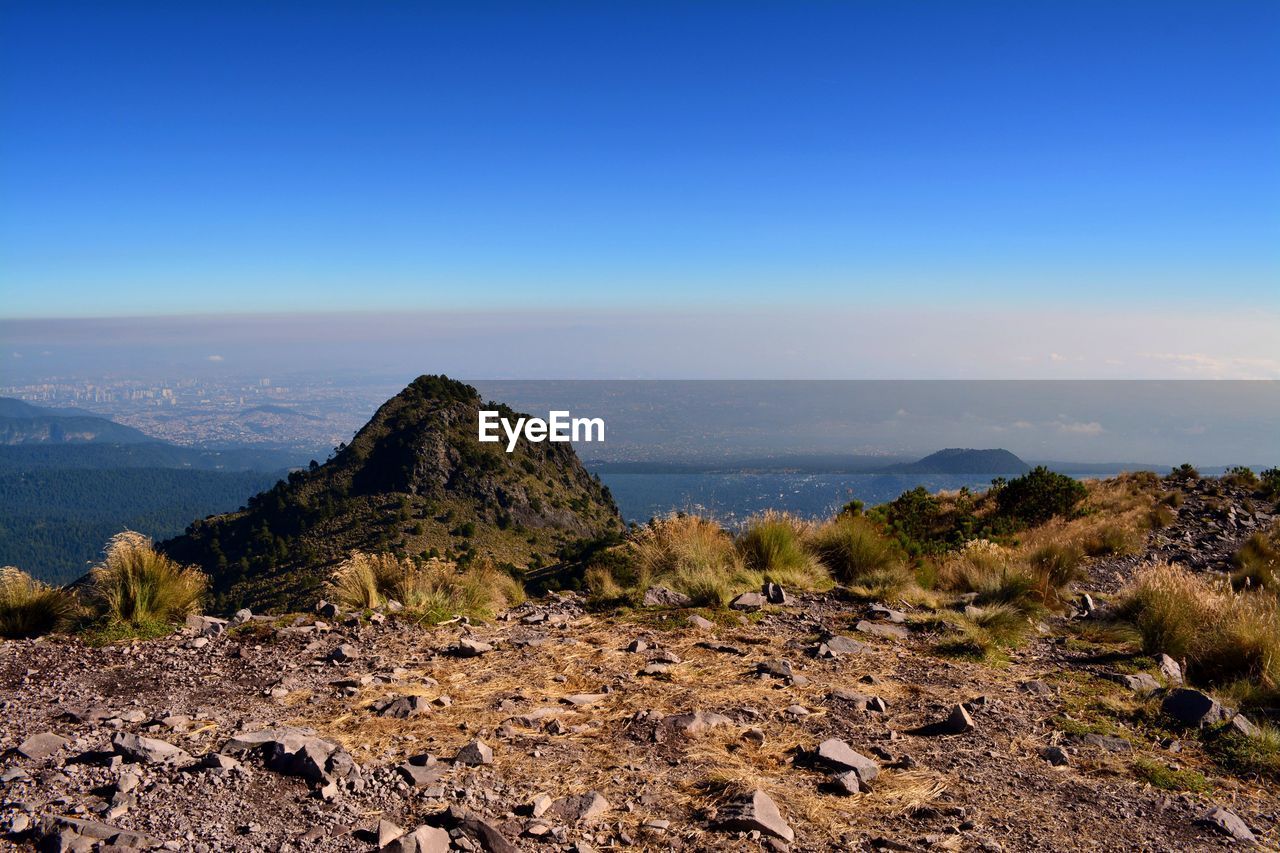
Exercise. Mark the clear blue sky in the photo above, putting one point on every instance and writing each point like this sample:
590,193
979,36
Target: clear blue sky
191,157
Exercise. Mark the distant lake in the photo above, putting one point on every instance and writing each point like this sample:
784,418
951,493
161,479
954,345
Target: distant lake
732,497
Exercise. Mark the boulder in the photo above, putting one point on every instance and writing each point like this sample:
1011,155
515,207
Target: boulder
661,596
344,653
206,626
1241,725
755,812
1193,708
774,593
1055,755
296,752
1139,683
748,601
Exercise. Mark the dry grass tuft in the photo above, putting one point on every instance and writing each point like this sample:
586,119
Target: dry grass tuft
29,608
774,545
1223,634
136,585
859,555
431,592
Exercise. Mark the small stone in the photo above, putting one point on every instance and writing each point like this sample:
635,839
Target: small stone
1228,823
1193,708
755,812
469,648
538,805
475,753
701,623
387,832
748,601
958,721
882,629
1055,755
1140,683
149,750
886,614
774,593
581,807
1170,669
637,646
838,646
344,653
42,745
1036,688
661,596
837,754
1241,725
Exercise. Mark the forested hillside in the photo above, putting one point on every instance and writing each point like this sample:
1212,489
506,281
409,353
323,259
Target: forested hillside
55,521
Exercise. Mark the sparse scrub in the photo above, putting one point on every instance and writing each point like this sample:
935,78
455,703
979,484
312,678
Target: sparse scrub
1161,516
29,608
137,586
857,555
1257,756
984,634
1222,634
431,591
1060,564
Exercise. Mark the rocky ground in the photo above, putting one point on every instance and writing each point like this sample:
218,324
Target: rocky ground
820,724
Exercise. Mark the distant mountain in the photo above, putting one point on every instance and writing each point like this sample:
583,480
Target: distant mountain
414,480
23,423
957,460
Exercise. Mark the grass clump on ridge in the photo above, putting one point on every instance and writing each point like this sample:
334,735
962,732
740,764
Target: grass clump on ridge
430,591
1257,564
1224,635
139,591
689,554
857,555
29,608
774,545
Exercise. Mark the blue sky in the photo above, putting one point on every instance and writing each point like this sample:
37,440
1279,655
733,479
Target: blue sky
162,158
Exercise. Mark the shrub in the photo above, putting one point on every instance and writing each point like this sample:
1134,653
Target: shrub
29,608
1269,483
981,634
136,585
1256,756
686,553
1160,516
1112,539
1257,565
1039,495
855,553
432,592
1222,634
1058,563
990,571
773,545
1241,477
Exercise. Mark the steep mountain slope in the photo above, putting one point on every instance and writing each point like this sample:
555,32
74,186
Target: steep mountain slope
23,423
414,480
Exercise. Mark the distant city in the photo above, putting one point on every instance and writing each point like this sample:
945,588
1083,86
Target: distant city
294,413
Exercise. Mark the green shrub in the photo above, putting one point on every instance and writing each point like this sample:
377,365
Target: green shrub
773,545
1059,563
855,553
1254,757
29,608
1185,471
1257,565
1269,483
1039,495
1241,477
137,585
